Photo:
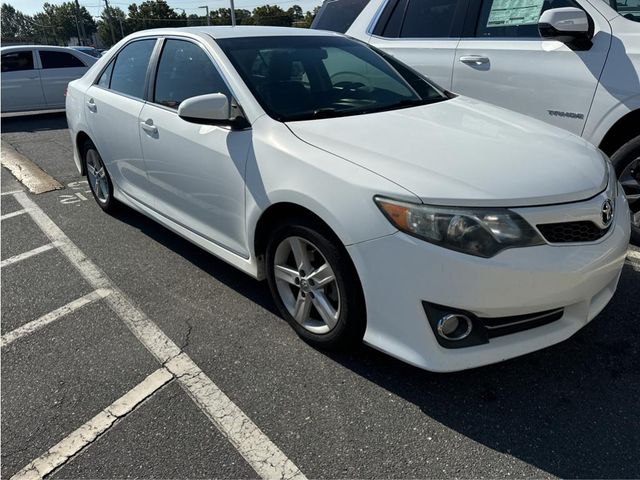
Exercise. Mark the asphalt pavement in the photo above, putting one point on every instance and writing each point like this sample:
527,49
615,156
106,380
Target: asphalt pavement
567,411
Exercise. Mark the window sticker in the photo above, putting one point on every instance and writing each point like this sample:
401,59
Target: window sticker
508,13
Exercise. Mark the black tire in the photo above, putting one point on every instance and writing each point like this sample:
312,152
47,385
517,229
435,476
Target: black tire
351,322
621,159
108,204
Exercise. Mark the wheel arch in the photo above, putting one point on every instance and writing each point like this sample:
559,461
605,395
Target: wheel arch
626,128
81,138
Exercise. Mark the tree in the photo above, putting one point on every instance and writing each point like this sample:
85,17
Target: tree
63,23
295,13
271,15
153,14
113,18
16,25
308,18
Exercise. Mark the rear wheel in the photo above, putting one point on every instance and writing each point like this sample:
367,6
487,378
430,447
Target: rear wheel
315,286
626,161
98,178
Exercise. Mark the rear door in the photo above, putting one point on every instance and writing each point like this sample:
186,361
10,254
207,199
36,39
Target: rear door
58,69
21,87
113,105
505,62
423,34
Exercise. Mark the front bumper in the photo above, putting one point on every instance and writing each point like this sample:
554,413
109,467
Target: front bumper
399,272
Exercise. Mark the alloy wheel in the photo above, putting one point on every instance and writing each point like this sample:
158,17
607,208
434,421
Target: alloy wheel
307,285
97,176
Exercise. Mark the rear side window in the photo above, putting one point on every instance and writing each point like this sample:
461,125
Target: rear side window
105,78
185,71
422,19
16,61
509,19
130,69
51,59
338,15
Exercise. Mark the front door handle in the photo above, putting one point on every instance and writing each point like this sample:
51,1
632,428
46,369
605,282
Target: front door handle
474,59
149,127
91,105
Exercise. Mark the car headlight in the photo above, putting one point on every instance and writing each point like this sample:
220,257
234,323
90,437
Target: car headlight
482,232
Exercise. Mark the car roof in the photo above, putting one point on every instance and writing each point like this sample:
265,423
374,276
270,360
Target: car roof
227,31
39,47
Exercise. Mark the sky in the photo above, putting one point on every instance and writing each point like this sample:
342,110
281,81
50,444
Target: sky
191,6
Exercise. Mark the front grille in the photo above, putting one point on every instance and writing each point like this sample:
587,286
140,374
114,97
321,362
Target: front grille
496,327
571,232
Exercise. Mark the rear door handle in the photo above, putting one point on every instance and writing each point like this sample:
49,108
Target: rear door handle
149,127
91,105
474,59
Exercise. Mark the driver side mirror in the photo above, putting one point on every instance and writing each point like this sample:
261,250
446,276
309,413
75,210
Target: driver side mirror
210,109
568,25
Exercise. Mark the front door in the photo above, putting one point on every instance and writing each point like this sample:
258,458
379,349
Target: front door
196,171
507,63
21,87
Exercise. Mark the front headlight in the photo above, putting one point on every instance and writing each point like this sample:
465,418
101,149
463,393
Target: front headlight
482,232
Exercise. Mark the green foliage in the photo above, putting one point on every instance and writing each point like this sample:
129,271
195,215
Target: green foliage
57,23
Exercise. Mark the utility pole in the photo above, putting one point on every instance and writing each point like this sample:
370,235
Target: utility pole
121,29
79,22
206,7
233,14
108,10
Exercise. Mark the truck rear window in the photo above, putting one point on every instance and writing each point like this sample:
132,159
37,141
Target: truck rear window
338,15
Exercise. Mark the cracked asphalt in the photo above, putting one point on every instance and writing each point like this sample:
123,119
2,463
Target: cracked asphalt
568,411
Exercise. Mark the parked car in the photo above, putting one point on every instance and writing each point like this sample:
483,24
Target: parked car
94,52
36,77
444,231
572,63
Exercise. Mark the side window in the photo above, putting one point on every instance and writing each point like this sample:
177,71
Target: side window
130,68
51,59
629,9
16,61
423,19
185,71
338,15
515,19
105,78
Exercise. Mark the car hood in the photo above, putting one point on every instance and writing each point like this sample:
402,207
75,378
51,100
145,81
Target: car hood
465,152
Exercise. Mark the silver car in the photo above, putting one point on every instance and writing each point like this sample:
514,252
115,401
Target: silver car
36,77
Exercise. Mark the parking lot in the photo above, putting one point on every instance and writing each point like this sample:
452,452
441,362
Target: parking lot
129,352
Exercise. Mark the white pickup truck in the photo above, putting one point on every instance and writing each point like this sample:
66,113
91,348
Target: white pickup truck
572,63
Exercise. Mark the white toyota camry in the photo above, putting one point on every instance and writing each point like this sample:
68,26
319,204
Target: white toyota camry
444,231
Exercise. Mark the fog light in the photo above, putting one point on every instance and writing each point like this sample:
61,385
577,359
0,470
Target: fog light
454,326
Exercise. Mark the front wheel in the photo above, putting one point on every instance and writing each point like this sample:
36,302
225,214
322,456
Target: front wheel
626,161
98,178
315,285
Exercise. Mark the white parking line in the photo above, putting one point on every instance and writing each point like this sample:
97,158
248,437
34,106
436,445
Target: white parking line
51,317
11,192
12,214
25,255
87,433
257,449
633,255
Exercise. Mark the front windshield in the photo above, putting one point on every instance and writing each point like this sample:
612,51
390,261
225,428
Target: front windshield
307,77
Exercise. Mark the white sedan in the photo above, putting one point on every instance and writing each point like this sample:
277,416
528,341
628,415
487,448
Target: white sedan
444,231
36,77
